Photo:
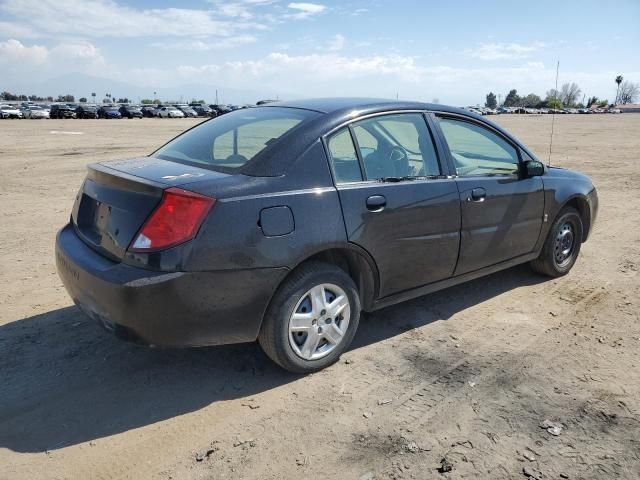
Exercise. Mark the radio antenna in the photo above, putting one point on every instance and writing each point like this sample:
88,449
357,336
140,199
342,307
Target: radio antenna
553,115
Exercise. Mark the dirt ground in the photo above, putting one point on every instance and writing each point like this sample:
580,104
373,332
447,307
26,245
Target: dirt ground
467,374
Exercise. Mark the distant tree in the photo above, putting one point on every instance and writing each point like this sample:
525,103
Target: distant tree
619,79
629,92
553,102
8,96
530,101
569,94
603,103
157,101
511,99
146,101
82,100
591,101
491,101
123,100
49,98
66,98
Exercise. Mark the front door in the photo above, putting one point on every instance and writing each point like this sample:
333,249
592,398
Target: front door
396,202
501,210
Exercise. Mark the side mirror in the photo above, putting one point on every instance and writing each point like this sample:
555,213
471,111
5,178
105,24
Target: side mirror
534,168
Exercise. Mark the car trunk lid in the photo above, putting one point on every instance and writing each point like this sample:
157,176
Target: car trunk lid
117,197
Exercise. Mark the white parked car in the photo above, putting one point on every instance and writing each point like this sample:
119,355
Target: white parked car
170,112
10,111
34,111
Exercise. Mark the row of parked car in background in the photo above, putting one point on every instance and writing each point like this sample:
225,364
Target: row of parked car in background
538,111
192,110
90,110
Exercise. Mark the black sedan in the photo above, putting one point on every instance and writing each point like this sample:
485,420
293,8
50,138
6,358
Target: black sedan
283,222
87,111
149,111
202,110
109,111
220,109
130,111
62,111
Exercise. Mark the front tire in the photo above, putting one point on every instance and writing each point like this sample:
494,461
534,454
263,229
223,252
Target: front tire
562,246
312,318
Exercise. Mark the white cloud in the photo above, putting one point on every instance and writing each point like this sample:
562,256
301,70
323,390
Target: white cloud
289,71
15,30
505,51
305,10
106,18
13,52
205,46
19,60
337,43
333,74
359,11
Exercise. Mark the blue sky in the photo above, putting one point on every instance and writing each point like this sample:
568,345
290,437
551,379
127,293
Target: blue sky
453,51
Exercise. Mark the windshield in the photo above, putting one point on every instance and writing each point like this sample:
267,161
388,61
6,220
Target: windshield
230,141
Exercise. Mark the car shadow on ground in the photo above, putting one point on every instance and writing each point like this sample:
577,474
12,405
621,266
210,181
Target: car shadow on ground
65,381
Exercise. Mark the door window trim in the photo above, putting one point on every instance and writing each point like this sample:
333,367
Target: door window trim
472,121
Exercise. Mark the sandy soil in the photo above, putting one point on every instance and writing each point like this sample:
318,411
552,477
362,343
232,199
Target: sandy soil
467,374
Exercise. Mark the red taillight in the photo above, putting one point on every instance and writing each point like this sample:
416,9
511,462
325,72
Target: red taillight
175,220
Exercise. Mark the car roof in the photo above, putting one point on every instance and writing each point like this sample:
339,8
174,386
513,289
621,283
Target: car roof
332,105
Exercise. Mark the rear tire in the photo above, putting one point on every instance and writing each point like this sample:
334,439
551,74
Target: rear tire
312,318
562,246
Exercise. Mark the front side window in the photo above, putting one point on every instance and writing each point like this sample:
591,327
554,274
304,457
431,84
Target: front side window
401,147
230,141
478,151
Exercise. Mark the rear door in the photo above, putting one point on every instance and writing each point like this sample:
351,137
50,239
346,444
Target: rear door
397,200
502,210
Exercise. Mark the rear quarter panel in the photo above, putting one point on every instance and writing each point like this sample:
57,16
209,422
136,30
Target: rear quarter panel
232,237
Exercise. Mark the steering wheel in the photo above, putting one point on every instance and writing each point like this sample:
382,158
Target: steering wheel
400,160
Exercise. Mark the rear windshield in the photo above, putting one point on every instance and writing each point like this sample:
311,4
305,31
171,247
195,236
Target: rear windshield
228,142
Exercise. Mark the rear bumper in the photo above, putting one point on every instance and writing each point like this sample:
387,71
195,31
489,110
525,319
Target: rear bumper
165,309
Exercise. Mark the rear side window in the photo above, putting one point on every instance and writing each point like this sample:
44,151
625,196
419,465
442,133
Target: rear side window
346,167
478,151
228,142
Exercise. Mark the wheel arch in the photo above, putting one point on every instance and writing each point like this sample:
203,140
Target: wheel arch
354,261
581,204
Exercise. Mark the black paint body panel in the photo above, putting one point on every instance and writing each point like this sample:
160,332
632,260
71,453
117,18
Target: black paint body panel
415,239
504,225
166,309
